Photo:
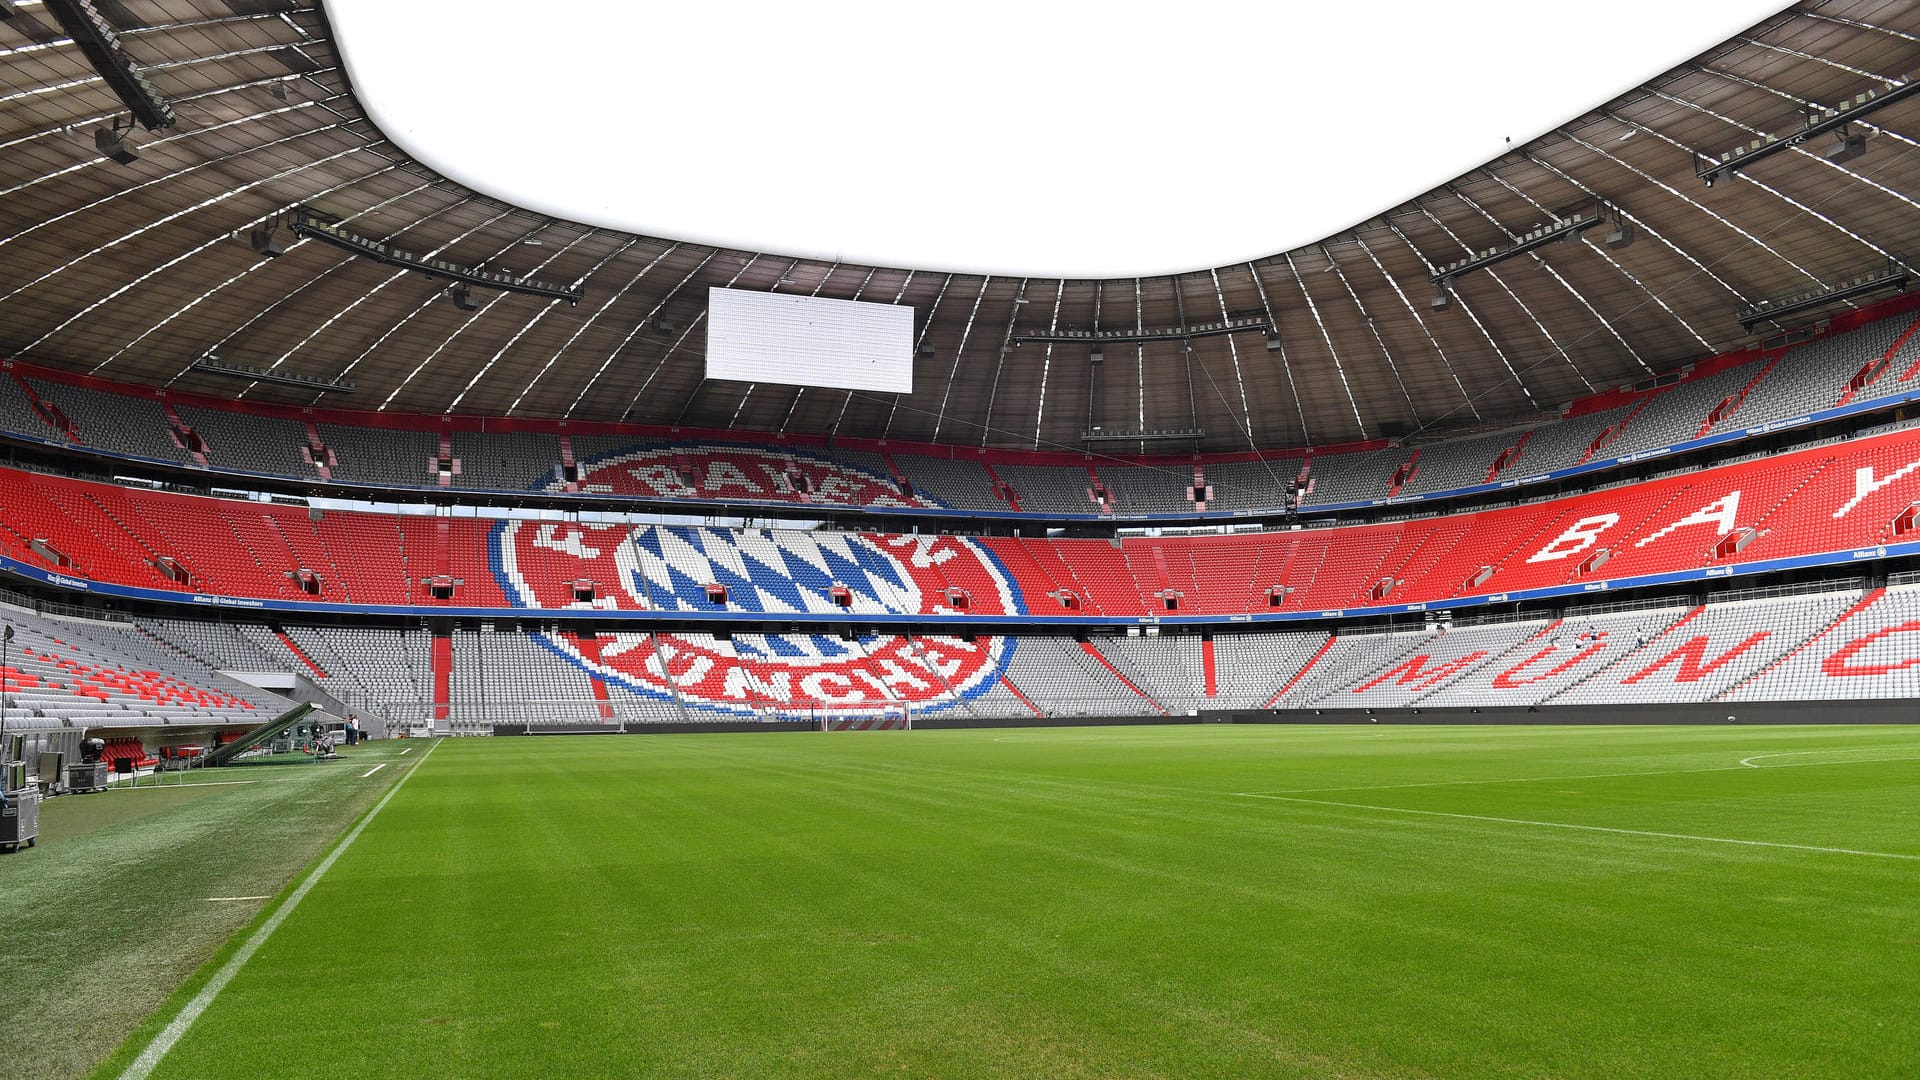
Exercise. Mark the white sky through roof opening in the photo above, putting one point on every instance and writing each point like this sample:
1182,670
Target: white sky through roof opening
1071,139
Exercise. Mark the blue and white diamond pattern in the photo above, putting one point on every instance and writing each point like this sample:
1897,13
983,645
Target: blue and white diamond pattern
774,571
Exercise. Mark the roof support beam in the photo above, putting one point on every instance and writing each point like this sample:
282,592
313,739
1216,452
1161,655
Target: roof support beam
1543,264
1359,423
1333,267
953,374
921,348
1893,277
1277,346
1467,309
588,322
1000,360
1046,362
295,293
638,325
1421,321
100,44
1628,218
312,224
675,345
1559,348
368,295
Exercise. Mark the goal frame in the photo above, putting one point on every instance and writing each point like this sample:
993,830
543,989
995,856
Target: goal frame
895,717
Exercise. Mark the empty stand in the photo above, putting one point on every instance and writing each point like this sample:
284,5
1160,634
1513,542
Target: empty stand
383,456
1681,412
956,483
17,412
1353,477
1457,463
1863,364
1707,653
1141,489
1872,652
249,442
505,461
103,676
1830,498
116,423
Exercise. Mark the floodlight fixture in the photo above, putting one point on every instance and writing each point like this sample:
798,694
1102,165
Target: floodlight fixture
111,140
1144,335
1846,146
1891,276
1818,122
1564,226
312,223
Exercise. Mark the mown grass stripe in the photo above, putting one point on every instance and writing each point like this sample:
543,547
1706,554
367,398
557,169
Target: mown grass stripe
150,1058
1590,828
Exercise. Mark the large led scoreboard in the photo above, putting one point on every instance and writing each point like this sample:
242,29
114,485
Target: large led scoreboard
808,341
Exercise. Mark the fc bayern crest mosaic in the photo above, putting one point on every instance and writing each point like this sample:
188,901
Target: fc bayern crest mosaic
555,565
741,473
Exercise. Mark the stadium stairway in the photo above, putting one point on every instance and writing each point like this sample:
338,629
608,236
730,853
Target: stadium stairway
1872,597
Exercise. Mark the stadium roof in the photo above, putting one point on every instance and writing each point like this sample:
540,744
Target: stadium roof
136,271
827,130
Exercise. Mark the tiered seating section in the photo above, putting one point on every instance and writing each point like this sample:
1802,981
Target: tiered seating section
1831,500
106,676
1815,646
1855,362
1810,646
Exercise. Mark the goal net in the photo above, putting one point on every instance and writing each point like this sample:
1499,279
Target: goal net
893,718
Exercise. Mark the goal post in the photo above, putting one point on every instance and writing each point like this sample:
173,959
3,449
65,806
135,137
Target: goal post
897,717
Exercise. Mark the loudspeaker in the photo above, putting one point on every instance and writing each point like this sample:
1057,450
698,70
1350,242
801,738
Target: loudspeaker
1621,236
114,145
463,298
267,243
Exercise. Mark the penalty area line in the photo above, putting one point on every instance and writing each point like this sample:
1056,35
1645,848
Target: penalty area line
1749,761
170,1035
1589,828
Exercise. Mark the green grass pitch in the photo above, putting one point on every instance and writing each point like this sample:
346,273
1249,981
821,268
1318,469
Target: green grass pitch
1166,902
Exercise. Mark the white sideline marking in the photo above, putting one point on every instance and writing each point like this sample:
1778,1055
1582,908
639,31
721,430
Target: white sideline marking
373,770
149,1058
225,899
1595,828
1749,761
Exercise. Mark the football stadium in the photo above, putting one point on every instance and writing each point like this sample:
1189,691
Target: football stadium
445,636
